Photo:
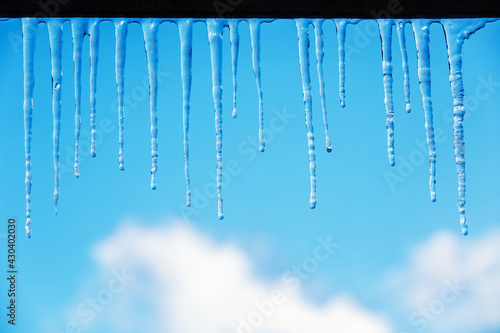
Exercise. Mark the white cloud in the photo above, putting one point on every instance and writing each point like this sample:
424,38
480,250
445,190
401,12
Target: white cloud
187,283
452,284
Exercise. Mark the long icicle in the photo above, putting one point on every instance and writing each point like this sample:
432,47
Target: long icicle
30,26
78,32
318,32
186,36
421,31
385,27
94,58
341,28
235,46
150,30
55,26
215,29
303,35
404,57
255,37
121,30
456,32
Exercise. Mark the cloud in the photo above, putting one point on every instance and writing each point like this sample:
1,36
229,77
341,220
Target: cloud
187,283
452,284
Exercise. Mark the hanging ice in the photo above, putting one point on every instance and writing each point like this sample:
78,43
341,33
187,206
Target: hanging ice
93,30
121,29
421,31
78,31
341,32
456,30
255,37
30,26
385,27
318,32
186,36
55,35
404,56
215,29
303,34
235,46
150,30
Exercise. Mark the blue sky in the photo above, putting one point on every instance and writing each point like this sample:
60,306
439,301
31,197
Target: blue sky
395,251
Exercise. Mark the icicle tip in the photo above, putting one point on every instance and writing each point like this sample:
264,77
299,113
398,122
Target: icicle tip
465,229
28,227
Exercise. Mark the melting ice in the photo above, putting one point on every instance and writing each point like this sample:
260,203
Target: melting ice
456,31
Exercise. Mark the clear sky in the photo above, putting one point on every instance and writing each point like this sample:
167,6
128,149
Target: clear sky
376,255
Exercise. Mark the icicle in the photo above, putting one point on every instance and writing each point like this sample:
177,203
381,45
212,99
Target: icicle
215,29
404,56
150,30
55,33
78,31
385,27
318,31
421,31
341,32
235,45
186,36
121,29
341,27
457,31
93,29
255,37
30,26
303,35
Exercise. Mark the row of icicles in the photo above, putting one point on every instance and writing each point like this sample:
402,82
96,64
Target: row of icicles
457,30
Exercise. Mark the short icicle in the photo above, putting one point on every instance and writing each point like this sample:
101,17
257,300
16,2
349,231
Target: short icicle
186,37
121,30
30,27
235,46
94,33
55,26
215,29
385,27
78,31
303,35
255,37
150,30
421,31
457,30
404,56
318,31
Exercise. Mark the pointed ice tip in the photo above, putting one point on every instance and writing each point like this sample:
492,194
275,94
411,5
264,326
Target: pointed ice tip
408,108
433,197
329,149
27,227
122,168
465,230
235,113
262,148
93,154
342,103
153,187
312,205
221,216
77,174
